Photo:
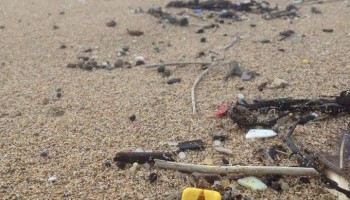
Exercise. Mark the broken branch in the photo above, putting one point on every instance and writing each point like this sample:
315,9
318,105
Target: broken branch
247,170
196,82
176,63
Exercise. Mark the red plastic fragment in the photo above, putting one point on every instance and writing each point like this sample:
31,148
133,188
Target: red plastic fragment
222,109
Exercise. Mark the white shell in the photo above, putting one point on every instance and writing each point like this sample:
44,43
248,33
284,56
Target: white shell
252,182
182,155
52,178
217,143
260,133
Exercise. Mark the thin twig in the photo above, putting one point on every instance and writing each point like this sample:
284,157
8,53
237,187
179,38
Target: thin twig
176,63
247,170
193,95
234,41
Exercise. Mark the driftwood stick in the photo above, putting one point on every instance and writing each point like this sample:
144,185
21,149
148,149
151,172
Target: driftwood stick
193,95
176,63
247,170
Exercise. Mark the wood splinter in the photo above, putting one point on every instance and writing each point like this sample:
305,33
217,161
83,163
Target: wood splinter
247,170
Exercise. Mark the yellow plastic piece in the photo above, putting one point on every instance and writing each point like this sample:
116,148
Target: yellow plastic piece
305,61
200,194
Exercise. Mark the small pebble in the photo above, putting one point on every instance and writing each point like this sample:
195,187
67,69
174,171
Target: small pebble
217,142
44,154
174,80
284,186
240,96
182,155
52,178
132,118
71,65
173,143
63,46
59,95
153,177
203,40
166,73
225,161
304,180
315,10
111,23
246,76
55,27
107,163
121,165
146,165
305,61
200,31
160,69
278,83
326,30
118,63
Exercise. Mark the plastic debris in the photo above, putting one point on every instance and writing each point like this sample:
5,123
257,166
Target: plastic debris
222,110
153,177
133,168
52,178
252,182
305,61
208,161
219,137
278,83
260,133
197,11
196,193
246,76
191,145
142,157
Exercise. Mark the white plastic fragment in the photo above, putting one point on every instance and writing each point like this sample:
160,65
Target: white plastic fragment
260,133
240,96
278,83
173,143
223,150
52,178
139,59
217,142
182,155
133,167
252,182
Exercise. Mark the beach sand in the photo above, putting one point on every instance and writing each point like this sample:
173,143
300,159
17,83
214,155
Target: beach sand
88,124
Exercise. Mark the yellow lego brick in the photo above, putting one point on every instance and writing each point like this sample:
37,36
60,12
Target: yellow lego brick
200,194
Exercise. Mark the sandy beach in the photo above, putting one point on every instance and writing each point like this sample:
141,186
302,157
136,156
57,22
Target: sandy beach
69,123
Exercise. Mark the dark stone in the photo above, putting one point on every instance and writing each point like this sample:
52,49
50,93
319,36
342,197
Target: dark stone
121,165
166,73
219,137
265,41
119,63
132,118
225,161
326,30
174,80
44,154
304,180
160,69
59,95
71,65
200,31
55,27
203,40
191,145
111,23
61,13
107,164
63,46
276,186
252,25
183,22
153,177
